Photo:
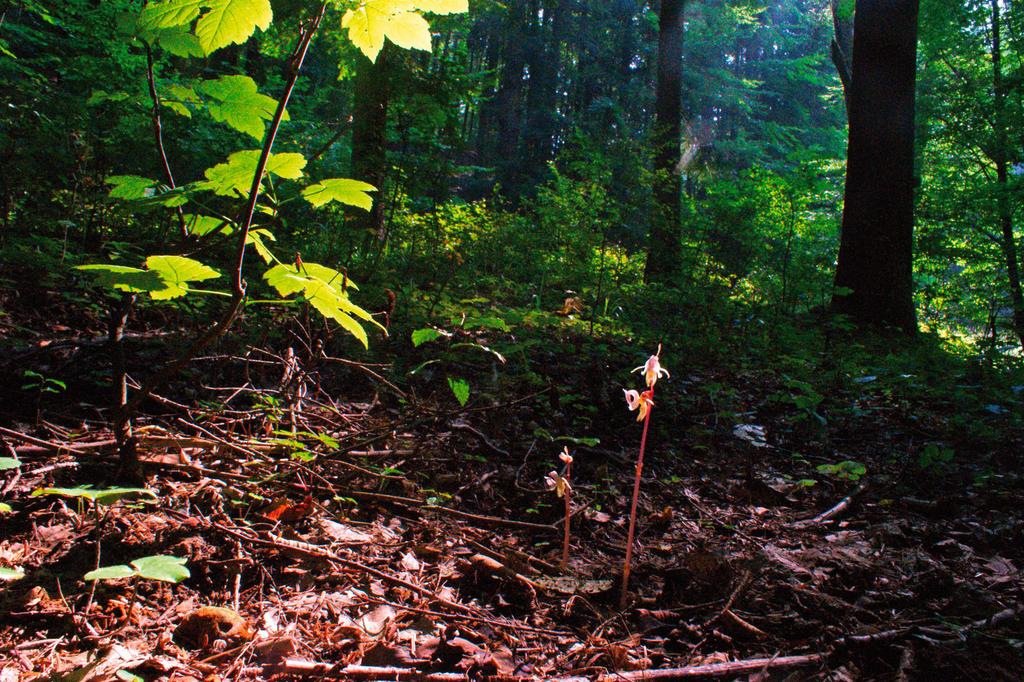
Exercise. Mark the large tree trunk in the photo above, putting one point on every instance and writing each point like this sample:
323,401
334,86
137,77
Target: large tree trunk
999,156
369,139
663,252
543,59
510,99
842,46
874,274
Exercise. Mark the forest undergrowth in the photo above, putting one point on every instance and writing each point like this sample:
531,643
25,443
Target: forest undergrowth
837,516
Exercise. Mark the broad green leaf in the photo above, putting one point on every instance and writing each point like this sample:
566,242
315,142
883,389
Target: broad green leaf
237,102
99,495
351,192
169,569
375,20
169,14
460,389
322,287
124,278
176,272
422,336
11,573
257,238
110,573
9,463
176,97
131,187
486,323
234,177
231,21
179,41
202,225
5,508
126,676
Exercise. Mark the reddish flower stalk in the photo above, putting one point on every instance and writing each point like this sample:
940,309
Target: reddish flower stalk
632,510
644,403
568,518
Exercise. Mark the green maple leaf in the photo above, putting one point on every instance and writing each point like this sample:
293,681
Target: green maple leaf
351,192
236,102
235,176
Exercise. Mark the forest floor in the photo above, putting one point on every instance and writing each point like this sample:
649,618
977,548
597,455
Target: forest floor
397,537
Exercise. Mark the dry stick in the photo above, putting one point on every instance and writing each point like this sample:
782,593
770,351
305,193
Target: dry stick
841,506
492,520
632,511
217,330
364,672
59,447
319,552
158,133
728,669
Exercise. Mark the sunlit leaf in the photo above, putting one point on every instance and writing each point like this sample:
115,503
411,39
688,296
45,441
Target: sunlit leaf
235,100
99,495
351,192
234,177
421,336
110,573
11,573
130,187
9,463
123,278
169,569
460,389
176,272
231,21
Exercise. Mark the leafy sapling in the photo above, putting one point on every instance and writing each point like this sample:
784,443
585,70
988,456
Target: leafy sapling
560,484
99,497
642,403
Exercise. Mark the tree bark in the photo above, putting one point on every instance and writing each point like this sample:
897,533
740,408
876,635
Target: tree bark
369,138
663,252
999,156
842,47
874,274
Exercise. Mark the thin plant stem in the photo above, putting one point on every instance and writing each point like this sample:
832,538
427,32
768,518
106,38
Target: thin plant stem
632,511
568,518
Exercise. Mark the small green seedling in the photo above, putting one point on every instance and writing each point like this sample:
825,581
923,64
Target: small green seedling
16,573
101,496
168,569
846,470
935,457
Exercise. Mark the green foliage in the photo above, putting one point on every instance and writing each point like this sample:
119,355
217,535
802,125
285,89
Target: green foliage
234,177
460,389
234,100
165,278
101,496
847,470
343,190
11,573
223,22
164,568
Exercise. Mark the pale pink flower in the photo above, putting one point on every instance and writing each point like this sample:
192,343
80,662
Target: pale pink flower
652,369
639,401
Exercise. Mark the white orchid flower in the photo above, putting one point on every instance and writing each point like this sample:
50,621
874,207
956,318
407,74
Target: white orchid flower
639,401
652,369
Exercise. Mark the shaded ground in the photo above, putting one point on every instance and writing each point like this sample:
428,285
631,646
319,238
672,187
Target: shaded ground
403,532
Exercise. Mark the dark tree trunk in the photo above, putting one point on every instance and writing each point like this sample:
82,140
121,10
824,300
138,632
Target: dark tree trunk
510,98
876,247
663,252
999,156
369,138
543,58
842,46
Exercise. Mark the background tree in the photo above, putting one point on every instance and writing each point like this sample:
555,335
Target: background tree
874,272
